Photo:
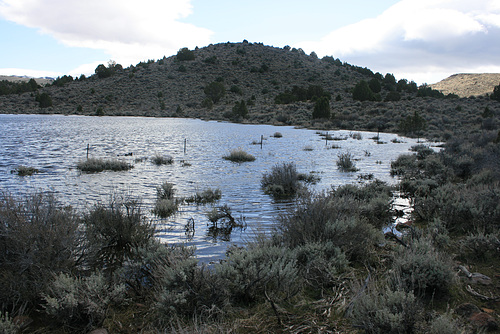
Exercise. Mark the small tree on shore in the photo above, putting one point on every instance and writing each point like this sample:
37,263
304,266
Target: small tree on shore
322,108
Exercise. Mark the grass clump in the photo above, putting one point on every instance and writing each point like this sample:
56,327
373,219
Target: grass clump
239,156
26,171
166,203
159,160
277,135
282,181
345,162
96,165
206,196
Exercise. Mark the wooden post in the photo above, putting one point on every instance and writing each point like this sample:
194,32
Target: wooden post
326,138
185,142
88,148
261,141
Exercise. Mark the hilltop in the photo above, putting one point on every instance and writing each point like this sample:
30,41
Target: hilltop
465,85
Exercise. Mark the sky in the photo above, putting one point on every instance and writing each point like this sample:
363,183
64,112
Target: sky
420,40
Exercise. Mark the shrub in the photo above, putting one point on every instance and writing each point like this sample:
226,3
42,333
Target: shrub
277,135
114,232
206,196
166,204
81,302
240,109
239,156
164,208
422,269
159,159
95,165
345,162
38,237
282,182
481,246
26,171
7,326
260,270
330,218
443,324
386,311
362,92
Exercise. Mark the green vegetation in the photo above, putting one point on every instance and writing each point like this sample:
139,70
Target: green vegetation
282,181
311,93
166,203
159,159
326,267
44,100
215,91
239,156
362,92
10,87
206,196
185,54
322,108
345,162
26,171
96,165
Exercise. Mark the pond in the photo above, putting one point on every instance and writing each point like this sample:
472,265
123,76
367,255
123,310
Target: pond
54,144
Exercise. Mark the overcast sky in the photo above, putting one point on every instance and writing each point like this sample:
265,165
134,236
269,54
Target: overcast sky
420,40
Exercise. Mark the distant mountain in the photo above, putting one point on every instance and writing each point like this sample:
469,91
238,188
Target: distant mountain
14,78
465,85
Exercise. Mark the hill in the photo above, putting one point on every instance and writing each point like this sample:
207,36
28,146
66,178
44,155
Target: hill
465,85
256,74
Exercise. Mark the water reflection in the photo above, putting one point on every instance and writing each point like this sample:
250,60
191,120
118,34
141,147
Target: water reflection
54,144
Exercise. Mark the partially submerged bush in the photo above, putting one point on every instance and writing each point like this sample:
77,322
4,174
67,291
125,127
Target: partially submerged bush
95,165
282,182
159,159
166,204
26,171
206,196
345,162
239,156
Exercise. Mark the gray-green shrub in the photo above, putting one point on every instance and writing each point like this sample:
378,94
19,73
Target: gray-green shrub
81,302
386,312
37,237
95,165
114,232
7,326
159,159
282,181
345,162
239,156
206,196
422,269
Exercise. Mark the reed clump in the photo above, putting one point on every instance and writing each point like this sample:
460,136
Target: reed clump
26,170
159,160
96,165
239,156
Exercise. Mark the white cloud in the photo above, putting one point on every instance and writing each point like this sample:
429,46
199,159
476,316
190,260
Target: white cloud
421,40
128,30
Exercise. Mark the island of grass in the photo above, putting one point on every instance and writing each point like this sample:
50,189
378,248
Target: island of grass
96,165
239,156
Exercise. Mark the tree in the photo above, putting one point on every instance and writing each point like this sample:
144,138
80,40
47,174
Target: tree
103,71
44,100
215,91
322,108
362,92
413,124
240,109
185,54
375,86
496,93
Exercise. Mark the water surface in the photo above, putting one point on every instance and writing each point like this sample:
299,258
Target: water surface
55,143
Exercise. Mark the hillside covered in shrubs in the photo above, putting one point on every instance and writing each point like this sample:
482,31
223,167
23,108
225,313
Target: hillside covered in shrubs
327,267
